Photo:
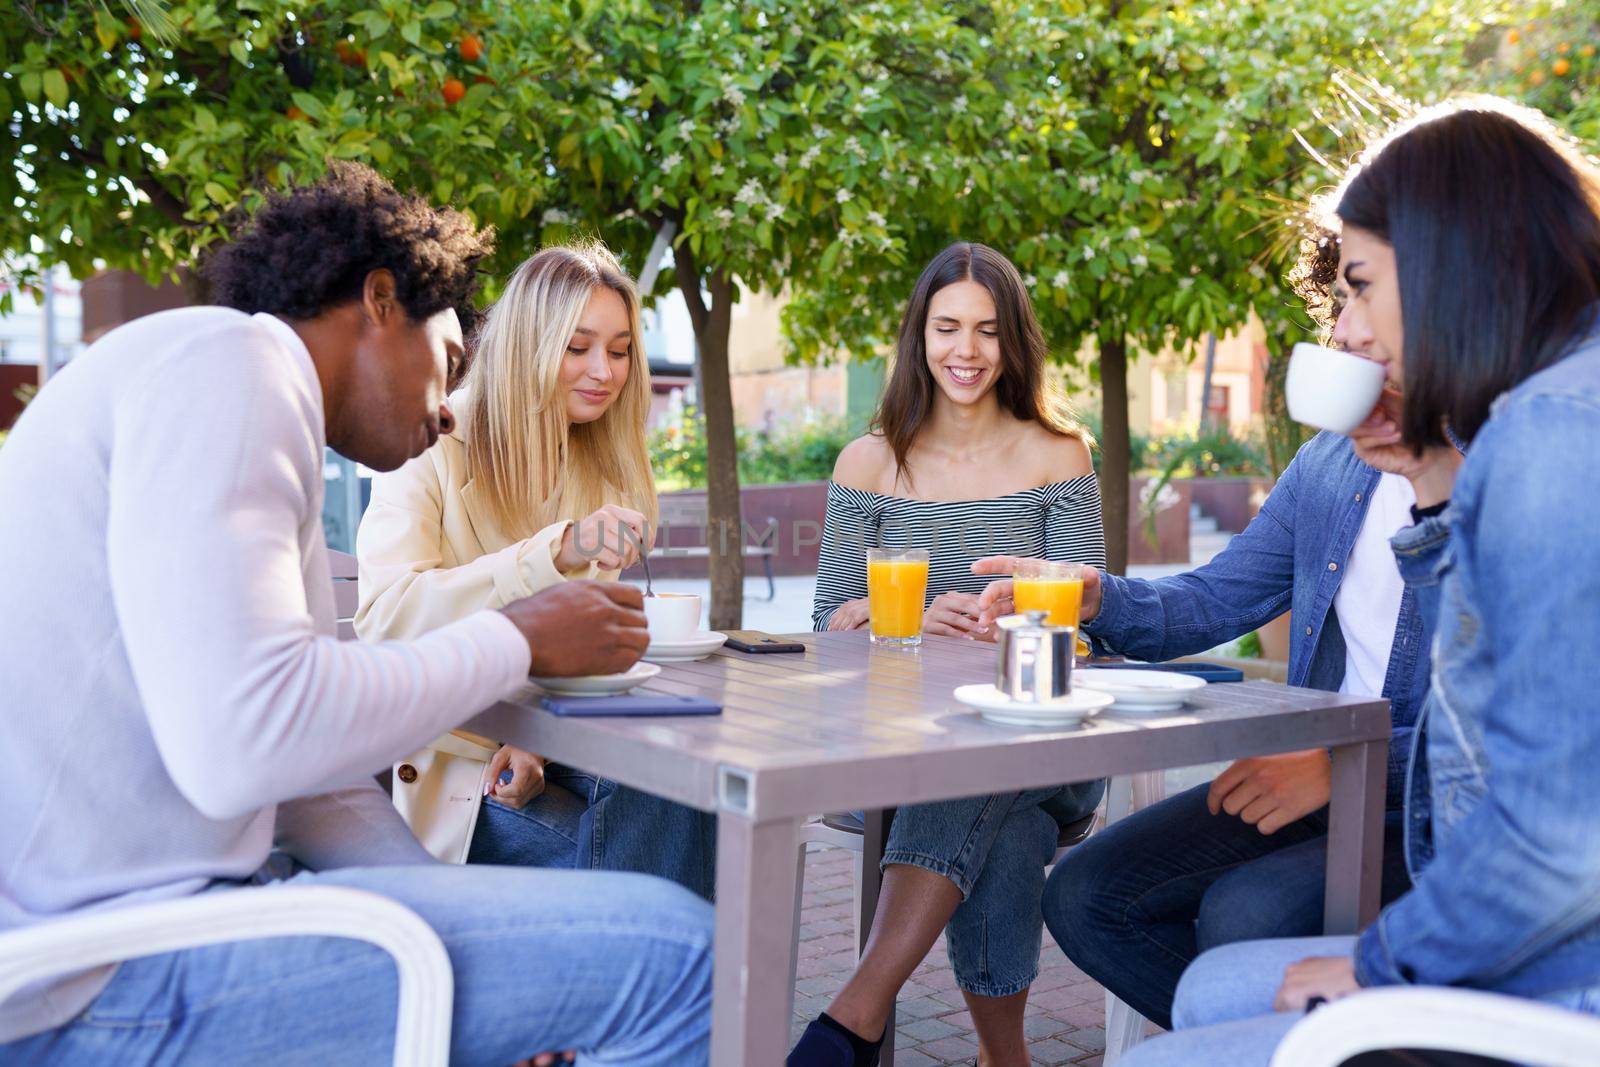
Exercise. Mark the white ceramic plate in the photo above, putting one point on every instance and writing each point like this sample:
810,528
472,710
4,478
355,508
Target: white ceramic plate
997,707
699,646
599,684
1140,691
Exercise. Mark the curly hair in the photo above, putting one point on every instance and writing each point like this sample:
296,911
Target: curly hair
312,248
1315,271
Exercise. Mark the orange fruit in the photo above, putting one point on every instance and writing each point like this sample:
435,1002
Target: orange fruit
135,31
1537,77
482,79
1560,68
471,47
1512,37
295,113
1586,51
453,91
1563,48
349,54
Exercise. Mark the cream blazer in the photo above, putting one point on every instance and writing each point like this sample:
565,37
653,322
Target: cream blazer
429,554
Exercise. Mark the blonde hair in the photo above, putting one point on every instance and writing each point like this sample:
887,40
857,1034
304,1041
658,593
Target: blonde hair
531,465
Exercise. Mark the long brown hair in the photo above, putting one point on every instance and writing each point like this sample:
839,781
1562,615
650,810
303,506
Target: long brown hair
1023,388
1494,216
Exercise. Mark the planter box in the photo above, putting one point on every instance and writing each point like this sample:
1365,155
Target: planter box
1172,524
1233,502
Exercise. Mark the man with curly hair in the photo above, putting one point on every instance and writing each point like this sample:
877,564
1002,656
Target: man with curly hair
1245,856
178,706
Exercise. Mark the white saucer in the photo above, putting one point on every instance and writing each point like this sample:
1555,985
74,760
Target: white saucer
699,646
599,684
997,707
1138,691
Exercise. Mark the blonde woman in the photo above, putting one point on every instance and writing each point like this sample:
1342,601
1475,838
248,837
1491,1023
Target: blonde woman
545,477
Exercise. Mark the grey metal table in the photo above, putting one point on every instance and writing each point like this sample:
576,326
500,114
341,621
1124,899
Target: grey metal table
851,726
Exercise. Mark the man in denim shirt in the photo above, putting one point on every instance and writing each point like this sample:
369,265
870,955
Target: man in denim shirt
1245,857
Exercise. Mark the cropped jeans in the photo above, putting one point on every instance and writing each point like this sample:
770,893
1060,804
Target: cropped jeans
995,849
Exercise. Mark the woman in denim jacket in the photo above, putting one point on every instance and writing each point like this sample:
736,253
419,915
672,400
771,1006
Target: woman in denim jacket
1471,259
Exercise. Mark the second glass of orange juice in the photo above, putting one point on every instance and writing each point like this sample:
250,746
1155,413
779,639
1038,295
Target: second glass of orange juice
897,586
1044,585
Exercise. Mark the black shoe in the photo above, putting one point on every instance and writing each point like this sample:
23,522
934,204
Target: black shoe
827,1044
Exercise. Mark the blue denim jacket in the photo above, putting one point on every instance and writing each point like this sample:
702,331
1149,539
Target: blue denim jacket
1501,833
1292,555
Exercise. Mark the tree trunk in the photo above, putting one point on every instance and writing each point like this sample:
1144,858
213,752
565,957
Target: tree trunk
1114,458
724,531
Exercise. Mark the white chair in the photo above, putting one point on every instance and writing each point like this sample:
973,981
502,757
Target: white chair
1444,1020
422,1026
1124,1026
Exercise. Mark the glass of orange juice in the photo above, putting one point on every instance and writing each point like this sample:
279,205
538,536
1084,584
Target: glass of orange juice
1044,585
897,587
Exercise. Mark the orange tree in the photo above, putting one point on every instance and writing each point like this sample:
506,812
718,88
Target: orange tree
1131,156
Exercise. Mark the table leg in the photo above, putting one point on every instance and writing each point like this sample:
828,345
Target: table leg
756,892
1355,837
874,839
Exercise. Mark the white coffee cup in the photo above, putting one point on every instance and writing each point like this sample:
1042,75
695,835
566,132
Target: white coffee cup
1330,389
672,616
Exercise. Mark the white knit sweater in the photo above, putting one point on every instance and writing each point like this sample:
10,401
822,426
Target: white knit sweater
172,697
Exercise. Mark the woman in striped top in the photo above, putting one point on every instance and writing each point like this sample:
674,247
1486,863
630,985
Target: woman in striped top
967,410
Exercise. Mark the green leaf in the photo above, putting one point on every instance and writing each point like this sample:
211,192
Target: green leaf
412,32
216,193
31,86
310,105
439,9
204,120
55,87
240,52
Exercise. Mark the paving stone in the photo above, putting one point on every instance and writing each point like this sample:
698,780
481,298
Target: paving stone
924,1030
1037,1027
950,1049
1051,1051
1088,1038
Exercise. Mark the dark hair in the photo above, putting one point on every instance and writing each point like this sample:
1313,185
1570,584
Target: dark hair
312,248
1493,218
1315,274
1022,389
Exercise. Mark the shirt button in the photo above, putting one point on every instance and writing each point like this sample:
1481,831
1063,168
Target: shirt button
1308,631
1333,566
1358,498
407,773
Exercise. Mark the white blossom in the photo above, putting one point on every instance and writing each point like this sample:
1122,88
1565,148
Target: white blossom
1088,253
809,156
656,192
717,170
913,181
781,160
1089,183
555,216
749,193
842,196
1222,136
875,218
1140,261
723,215
1258,272
671,161
871,92
1134,233
761,19
1029,281
773,211
733,95
959,104
1061,280
1184,283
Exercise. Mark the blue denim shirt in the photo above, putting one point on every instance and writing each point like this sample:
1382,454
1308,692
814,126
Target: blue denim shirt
1501,833
1292,555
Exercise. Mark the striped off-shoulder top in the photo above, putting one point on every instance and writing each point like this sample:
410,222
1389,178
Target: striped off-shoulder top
1060,521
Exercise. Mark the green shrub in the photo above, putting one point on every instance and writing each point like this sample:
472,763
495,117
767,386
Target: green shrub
803,452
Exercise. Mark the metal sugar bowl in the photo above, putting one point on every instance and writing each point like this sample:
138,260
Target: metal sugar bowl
1034,665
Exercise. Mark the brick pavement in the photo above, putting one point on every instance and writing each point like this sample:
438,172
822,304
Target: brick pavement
1066,1010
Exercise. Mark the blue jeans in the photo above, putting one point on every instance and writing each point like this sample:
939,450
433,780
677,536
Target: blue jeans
616,966
1224,1010
995,849
1135,904
595,824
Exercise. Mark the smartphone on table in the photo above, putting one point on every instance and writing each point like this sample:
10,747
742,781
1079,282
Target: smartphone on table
757,642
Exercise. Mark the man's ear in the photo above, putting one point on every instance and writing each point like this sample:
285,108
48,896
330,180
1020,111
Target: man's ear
378,301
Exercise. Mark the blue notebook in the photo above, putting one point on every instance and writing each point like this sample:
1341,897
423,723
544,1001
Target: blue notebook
630,705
